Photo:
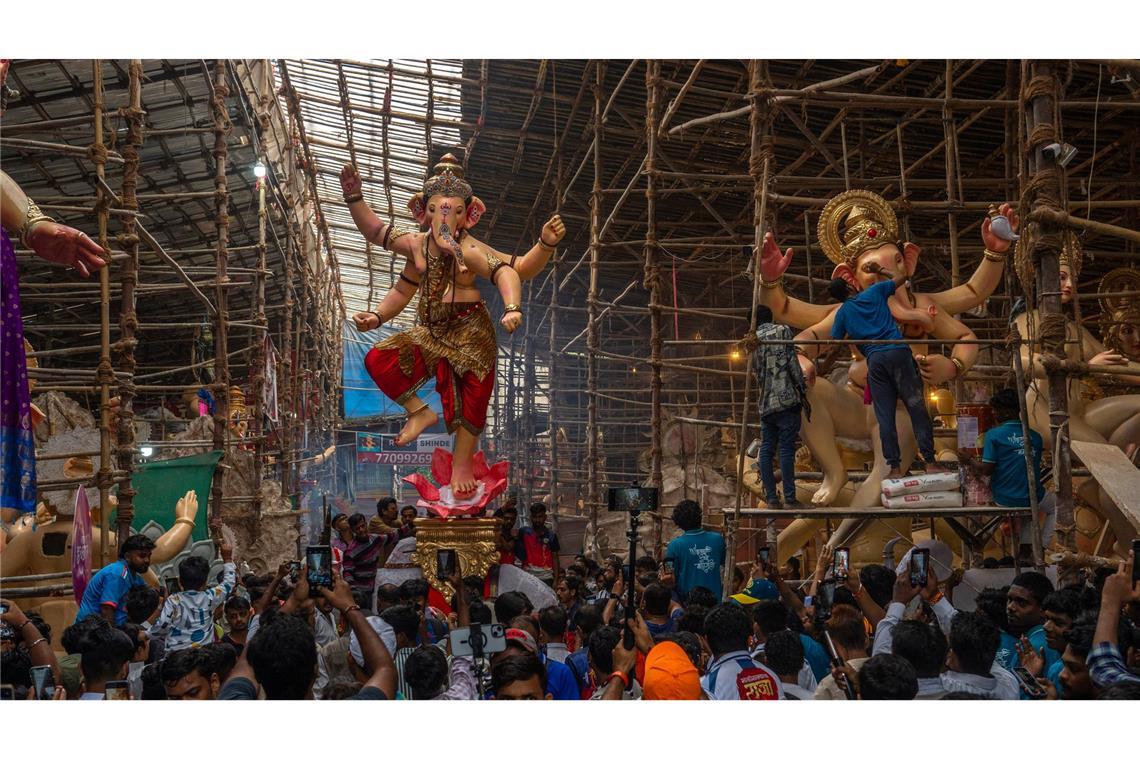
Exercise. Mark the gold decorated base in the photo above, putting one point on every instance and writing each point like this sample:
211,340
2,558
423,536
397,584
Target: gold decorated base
473,539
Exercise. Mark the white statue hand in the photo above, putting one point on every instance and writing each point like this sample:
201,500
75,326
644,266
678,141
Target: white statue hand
187,506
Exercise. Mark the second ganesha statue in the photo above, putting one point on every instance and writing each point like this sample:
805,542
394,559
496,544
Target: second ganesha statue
858,230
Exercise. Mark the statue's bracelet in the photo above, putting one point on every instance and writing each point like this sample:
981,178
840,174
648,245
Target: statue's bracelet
959,364
512,307
545,245
776,283
184,521
993,255
354,198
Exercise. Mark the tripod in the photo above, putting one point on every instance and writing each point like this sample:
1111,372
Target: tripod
631,534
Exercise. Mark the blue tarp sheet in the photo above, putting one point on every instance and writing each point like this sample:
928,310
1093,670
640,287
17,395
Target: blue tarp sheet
361,396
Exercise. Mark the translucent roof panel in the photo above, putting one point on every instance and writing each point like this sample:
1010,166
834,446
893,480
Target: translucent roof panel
379,111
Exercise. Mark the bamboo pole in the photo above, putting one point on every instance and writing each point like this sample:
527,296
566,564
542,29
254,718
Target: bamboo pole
260,353
759,165
652,276
552,362
949,143
1041,190
222,127
105,374
128,321
592,454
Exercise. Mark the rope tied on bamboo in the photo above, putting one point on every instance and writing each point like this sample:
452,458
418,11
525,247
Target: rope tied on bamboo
98,153
1052,336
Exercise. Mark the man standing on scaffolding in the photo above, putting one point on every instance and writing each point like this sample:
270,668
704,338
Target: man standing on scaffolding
891,370
783,396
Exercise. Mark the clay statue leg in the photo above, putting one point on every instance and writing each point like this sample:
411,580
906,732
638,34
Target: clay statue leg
420,418
462,477
1116,418
869,493
465,400
384,367
819,435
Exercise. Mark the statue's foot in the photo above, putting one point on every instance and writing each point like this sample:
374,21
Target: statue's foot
830,489
463,482
418,422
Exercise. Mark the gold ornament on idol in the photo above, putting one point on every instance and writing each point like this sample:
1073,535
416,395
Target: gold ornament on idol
854,222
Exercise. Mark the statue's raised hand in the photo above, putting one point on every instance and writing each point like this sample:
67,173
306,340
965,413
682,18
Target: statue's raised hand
65,245
992,241
553,231
511,321
365,321
773,264
187,506
350,183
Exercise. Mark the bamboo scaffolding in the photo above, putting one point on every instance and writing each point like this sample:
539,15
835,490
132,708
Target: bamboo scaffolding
105,374
128,276
1040,186
652,277
593,456
759,165
222,127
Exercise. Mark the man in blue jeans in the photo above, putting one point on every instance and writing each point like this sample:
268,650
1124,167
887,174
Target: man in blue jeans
891,370
781,400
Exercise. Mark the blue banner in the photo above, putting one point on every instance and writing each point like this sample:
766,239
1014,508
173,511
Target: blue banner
361,396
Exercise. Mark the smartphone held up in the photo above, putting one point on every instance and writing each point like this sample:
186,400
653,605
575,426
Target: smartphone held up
318,568
919,564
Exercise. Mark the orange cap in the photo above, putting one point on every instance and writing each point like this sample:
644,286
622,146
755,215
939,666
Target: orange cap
669,674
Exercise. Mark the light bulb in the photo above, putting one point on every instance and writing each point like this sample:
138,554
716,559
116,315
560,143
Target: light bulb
259,170
146,451
734,355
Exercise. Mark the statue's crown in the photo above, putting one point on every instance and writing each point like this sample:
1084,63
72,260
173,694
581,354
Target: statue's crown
448,179
1072,253
854,222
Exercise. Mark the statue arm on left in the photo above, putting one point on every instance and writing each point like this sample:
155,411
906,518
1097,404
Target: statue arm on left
393,303
174,540
51,241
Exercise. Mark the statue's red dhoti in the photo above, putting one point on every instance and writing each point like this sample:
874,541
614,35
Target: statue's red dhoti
455,344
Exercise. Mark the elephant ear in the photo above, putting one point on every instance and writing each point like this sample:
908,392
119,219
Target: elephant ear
475,211
418,206
910,253
846,273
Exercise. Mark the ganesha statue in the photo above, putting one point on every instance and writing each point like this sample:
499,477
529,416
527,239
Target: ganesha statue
859,233
454,341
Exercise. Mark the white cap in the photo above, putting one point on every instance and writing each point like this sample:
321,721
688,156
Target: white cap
940,554
386,633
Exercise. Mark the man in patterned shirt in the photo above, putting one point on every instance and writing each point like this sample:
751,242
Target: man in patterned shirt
363,555
782,398
187,618
1107,666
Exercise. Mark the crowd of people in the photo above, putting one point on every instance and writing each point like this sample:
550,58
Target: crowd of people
868,634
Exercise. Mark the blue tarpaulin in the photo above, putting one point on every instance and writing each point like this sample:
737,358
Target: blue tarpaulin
361,396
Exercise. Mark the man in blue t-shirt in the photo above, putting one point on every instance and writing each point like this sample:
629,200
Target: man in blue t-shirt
891,370
1003,460
106,592
698,555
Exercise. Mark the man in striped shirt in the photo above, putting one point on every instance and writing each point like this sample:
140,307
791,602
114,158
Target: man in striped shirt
187,618
362,557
